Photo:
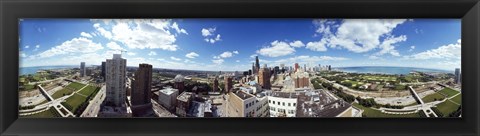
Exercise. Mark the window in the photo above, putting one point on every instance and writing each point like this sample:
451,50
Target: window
269,101
273,102
246,106
278,103
294,104
288,104
283,103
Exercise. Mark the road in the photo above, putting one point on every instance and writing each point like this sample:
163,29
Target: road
94,107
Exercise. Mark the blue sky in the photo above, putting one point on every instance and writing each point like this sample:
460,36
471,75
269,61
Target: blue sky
230,44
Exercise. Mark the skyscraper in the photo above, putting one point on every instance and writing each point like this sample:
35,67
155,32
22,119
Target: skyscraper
228,83
115,81
179,83
142,85
82,69
257,64
305,67
458,76
103,70
215,84
253,68
296,67
264,77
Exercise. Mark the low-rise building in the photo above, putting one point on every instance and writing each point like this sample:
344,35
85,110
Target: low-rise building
167,97
183,103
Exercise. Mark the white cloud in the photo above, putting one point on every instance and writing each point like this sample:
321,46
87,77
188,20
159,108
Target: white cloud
142,33
26,47
447,52
276,49
306,58
218,61
179,30
152,53
36,47
114,46
317,46
411,48
237,61
22,54
236,52
131,53
358,35
297,44
76,45
176,59
208,31
192,55
226,54
87,35
253,56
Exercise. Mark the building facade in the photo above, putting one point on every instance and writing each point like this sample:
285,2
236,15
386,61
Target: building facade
168,98
142,85
115,81
83,71
264,78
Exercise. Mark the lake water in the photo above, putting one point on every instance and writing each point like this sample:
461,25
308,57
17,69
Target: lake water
387,70
33,70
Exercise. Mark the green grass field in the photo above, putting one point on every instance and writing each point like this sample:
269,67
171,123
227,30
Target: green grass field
61,93
447,107
457,99
433,97
379,78
89,90
449,92
73,102
50,113
369,112
75,85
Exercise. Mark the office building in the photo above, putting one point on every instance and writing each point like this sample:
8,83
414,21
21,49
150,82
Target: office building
103,69
458,77
215,85
83,71
264,77
228,83
142,85
167,97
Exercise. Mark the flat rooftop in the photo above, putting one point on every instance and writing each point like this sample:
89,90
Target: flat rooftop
185,96
318,104
242,95
168,91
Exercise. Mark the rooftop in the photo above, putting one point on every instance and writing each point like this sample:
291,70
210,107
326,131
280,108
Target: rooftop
168,91
242,95
185,96
318,104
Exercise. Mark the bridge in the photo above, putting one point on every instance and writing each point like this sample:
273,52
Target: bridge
44,93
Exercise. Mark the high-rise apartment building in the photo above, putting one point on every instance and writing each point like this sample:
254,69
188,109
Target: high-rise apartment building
115,81
264,77
458,77
83,71
142,85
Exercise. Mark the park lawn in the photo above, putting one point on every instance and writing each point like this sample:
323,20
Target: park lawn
433,97
369,112
447,107
73,102
76,86
28,87
89,90
50,113
457,99
400,87
61,93
449,92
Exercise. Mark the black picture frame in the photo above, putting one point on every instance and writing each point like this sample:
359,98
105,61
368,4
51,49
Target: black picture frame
12,10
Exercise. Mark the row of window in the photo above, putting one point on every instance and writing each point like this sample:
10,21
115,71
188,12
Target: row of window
282,110
283,103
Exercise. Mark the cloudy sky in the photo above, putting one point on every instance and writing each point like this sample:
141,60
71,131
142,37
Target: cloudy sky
231,44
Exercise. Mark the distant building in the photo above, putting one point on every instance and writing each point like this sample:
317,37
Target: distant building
179,83
458,77
257,65
264,77
168,98
215,85
183,103
82,69
301,79
296,66
103,69
228,83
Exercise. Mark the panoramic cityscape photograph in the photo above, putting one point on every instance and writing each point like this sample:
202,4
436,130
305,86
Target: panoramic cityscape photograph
193,67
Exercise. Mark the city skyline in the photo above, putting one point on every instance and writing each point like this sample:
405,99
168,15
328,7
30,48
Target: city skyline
232,44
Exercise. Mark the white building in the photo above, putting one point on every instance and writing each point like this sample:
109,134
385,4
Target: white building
168,98
116,81
282,104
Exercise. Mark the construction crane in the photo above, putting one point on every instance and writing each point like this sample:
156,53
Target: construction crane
121,51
